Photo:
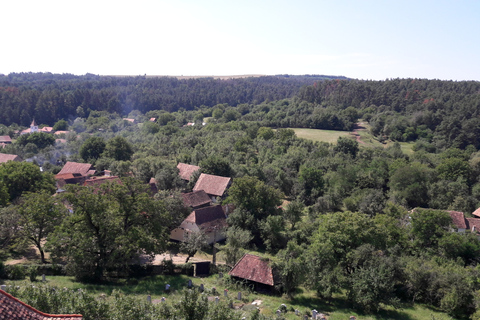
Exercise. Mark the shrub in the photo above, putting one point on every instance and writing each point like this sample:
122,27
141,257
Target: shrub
15,272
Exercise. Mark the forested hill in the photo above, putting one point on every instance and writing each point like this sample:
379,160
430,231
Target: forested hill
49,97
408,109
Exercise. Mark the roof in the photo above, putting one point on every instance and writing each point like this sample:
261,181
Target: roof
46,129
186,170
473,224
5,139
33,124
458,219
75,167
61,132
12,308
476,212
4,157
208,218
96,181
253,268
195,199
214,185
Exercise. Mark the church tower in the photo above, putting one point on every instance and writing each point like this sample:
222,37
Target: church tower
33,127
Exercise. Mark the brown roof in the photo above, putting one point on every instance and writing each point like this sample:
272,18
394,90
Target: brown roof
473,224
207,218
12,309
214,185
9,157
96,181
195,199
186,170
75,167
253,268
5,139
458,219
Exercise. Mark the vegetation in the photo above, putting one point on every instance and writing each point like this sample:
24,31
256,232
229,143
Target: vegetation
335,217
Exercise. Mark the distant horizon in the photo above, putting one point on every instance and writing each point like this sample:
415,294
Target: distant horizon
234,76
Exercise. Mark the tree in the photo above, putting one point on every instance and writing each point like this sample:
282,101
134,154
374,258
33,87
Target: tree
428,226
254,202
39,139
38,214
409,185
216,166
92,148
347,146
60,125
237,240
193,242
110,226
291,265
119,149
20,177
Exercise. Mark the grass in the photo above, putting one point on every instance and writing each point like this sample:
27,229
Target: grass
330,136
305,300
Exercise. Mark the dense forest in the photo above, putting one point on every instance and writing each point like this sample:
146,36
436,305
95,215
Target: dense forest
337,217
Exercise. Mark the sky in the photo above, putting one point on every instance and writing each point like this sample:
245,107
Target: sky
363,39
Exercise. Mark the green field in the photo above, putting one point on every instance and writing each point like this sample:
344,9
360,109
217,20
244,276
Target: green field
336,308
331,136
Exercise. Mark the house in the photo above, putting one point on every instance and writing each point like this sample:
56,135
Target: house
186,170
5,140
129,120
196,199
84,169
97,181
214,186
12,308
458,220
69,178
9,157
473,224
257,270
46,129
210,220
153,119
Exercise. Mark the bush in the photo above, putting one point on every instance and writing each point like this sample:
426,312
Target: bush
32,272
15,272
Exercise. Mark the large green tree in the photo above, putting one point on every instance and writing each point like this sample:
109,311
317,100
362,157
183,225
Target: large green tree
109,228
20,177
119,149
39,214
92,148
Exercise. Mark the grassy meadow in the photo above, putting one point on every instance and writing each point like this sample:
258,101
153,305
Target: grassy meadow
304,300
366,138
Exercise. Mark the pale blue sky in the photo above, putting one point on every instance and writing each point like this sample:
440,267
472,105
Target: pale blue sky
369,39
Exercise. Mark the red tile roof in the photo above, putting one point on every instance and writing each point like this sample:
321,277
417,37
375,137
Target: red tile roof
196,199
5,139
458,219
9,157
212,185
253,268
96,181
12,309
473,224
208,218
186,170
75,167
